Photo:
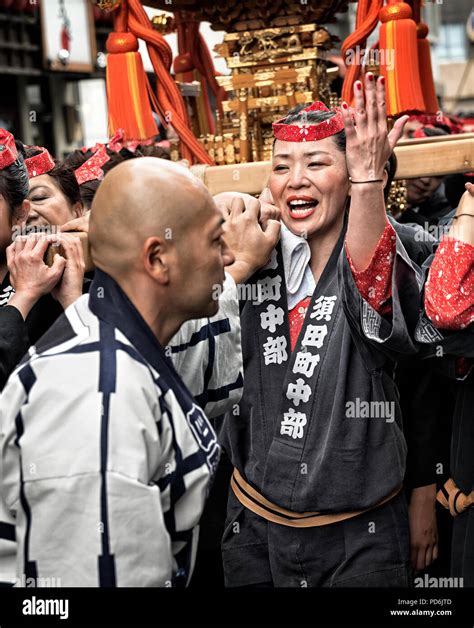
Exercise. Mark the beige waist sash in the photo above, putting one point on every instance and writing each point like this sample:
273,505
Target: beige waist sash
254,501
453,499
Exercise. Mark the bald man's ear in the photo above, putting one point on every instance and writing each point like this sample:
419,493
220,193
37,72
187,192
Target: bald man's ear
155,261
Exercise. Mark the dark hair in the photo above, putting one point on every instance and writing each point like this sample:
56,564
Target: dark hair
297,114
391,168
63,176
75,159
14,182
151,150
125,153
431,131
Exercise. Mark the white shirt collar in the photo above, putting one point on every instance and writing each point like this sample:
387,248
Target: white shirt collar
296,257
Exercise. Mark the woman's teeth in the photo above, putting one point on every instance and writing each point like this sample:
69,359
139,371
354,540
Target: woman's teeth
301,208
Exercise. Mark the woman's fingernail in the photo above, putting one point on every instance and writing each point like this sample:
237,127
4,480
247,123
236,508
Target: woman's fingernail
382,80
345,105
358,85
370,76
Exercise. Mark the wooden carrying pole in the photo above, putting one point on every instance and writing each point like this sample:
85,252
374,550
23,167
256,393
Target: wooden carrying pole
422,157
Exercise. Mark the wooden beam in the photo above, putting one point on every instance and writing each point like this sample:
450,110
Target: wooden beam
424,157
434,156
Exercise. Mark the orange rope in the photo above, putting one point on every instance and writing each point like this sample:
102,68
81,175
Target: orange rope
192,43
366,20
168,93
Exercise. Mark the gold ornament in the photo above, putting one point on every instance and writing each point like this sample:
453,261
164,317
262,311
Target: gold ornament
397,198
108,5
164,24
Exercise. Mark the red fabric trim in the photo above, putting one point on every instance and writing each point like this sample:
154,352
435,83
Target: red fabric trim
296,317
375,282
449,294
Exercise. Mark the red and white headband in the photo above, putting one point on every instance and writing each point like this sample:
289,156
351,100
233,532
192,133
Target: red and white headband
91,170
39,164
310,131
8,151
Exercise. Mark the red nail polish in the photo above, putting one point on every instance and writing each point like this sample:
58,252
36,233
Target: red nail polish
345,105
382,80
371,76
358,85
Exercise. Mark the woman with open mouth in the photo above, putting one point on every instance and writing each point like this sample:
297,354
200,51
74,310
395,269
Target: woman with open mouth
316,495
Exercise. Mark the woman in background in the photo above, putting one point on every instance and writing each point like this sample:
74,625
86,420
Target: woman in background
449,332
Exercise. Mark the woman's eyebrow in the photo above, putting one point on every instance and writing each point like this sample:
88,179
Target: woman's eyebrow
310,154
316,152
34,188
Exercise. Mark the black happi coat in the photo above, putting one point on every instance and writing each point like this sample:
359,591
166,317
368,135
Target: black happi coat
444,346
16,334
295,437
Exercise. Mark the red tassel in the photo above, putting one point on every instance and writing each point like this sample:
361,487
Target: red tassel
399,63
127,84
425,69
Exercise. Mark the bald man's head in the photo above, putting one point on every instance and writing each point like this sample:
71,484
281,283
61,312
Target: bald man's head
156,230
139,199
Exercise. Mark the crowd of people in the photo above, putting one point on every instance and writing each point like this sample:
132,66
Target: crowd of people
236,391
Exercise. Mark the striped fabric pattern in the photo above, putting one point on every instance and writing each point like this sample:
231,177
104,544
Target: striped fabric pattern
207,353
106,486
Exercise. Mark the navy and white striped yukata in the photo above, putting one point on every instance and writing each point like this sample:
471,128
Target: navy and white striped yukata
106,457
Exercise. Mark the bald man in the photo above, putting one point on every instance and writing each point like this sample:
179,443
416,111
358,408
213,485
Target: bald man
106,456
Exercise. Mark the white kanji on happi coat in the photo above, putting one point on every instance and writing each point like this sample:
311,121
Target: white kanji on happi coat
268,289
292,424
299,391
305,363
272,317
314,336
275,350
323,308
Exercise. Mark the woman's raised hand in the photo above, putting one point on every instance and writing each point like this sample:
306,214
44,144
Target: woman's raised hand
368,143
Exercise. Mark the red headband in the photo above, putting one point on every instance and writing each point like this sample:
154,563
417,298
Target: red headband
116,142
8,151
39,164
91,170
309,132
435,120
